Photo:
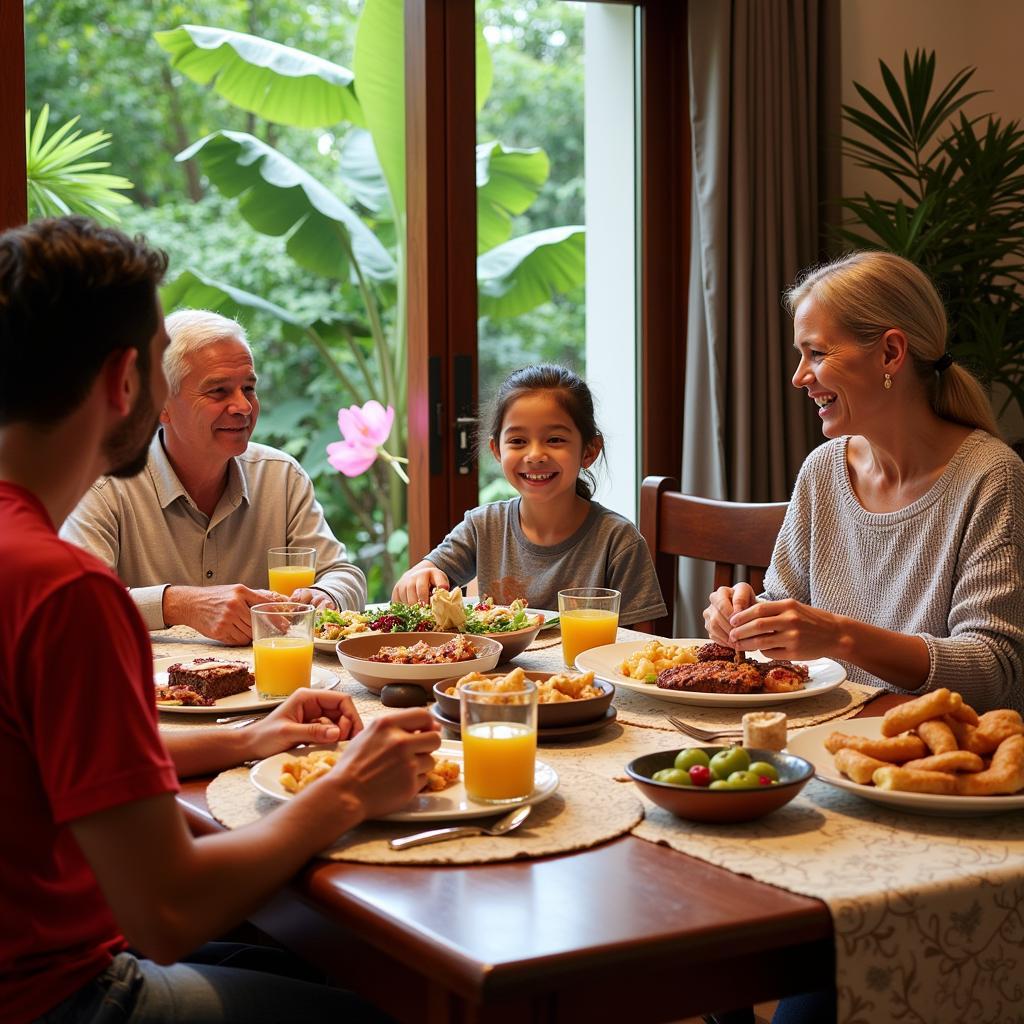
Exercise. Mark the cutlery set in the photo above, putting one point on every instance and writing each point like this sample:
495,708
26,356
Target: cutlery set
501,827
695,732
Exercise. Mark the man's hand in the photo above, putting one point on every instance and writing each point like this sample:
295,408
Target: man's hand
221,613
415,586
317,598
307,716
726,602
386,765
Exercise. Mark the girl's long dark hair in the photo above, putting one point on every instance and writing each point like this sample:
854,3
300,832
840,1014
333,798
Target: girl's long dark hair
571,392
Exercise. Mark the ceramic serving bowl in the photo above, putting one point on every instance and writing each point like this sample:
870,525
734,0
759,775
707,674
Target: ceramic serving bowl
695,803
514,643
354,653
569,712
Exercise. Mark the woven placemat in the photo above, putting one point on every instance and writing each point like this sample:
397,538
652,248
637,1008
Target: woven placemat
585,811
650,712
545,640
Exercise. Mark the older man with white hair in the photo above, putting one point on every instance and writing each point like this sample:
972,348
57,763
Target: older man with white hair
189,535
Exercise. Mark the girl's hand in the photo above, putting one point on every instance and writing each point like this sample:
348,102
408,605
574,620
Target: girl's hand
726,602
415,586
786,629
307,716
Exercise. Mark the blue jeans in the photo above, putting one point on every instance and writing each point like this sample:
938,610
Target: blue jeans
222,983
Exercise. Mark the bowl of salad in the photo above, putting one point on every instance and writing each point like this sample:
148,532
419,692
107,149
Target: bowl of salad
514,626
330,626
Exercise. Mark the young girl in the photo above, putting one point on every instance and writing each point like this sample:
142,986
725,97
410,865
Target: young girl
553,536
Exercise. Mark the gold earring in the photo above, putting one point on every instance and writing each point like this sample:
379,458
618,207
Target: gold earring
887,383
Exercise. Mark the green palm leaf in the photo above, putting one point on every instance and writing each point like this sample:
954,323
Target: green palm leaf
61,181
277,197
275,82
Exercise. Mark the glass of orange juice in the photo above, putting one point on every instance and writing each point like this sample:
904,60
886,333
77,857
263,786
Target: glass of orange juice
499,742
291,569
282,645
589,617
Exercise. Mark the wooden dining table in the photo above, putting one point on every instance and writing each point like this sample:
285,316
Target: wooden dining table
629,930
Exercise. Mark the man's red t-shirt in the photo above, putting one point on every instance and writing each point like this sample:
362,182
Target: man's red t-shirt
78,735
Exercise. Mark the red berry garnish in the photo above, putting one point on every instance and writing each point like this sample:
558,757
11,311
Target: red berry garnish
764,780
700,775
482,607
386,623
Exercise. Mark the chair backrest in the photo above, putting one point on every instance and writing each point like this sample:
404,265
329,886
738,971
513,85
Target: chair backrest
728,533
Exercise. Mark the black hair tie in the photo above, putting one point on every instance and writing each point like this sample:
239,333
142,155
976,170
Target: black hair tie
944,362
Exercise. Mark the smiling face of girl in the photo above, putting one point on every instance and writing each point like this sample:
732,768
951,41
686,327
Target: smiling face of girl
540,448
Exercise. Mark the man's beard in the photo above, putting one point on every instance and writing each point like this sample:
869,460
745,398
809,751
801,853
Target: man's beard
127,445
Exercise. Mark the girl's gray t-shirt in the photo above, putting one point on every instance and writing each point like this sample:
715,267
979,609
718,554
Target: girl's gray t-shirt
606,551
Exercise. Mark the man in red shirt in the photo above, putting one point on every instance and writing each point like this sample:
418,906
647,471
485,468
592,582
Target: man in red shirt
96,857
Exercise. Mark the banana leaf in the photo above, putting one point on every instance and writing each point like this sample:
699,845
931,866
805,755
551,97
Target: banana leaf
275,82
277,197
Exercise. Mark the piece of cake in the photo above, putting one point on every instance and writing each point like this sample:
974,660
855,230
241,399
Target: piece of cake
211,678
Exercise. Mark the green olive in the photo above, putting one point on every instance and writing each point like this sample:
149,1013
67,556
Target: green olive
686,759
744,780
764,768
673,776
729,760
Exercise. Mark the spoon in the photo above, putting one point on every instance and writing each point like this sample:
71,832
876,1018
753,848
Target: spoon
501,827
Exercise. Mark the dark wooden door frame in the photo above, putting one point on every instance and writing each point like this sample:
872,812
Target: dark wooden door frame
442,308
441,231
13,190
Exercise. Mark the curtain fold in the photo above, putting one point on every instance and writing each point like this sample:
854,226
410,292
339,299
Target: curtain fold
764,111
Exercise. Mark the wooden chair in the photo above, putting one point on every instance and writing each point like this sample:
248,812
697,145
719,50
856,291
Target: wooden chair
728,533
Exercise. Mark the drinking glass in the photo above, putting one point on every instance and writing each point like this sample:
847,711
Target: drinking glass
282,644
589,617
291,569
499,742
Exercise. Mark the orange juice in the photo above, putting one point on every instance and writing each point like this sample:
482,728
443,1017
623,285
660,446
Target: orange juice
283,664
499,759
583,628
286,578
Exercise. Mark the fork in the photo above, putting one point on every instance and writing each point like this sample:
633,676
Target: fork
696,733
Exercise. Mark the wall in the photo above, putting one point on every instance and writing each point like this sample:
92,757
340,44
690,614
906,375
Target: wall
986,34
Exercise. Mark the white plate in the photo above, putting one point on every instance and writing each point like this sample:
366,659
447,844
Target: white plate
328,646
604,662
448,805
810,745
248,700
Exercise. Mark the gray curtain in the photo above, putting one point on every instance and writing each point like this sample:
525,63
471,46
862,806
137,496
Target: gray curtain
764,108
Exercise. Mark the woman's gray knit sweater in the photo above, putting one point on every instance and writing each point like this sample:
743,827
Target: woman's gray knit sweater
949,567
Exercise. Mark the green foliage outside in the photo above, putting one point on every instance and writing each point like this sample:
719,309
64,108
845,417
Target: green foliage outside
99,61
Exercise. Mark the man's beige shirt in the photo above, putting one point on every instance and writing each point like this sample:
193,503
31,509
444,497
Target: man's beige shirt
150,532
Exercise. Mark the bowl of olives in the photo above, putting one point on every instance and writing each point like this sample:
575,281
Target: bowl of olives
720,784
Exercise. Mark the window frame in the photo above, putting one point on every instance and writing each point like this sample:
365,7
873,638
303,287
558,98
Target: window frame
441,246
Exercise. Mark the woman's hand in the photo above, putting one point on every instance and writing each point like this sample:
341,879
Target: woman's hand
415,586
726,602
787,629
307,716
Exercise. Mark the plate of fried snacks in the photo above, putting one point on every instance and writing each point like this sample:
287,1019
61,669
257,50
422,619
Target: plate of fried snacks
699,672
563,698
932,755
443,799
199,686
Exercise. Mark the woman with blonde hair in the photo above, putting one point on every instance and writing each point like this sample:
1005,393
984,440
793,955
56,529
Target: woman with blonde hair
903,546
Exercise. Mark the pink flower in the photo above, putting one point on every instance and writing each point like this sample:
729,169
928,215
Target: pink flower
365,430
350,458
369,426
